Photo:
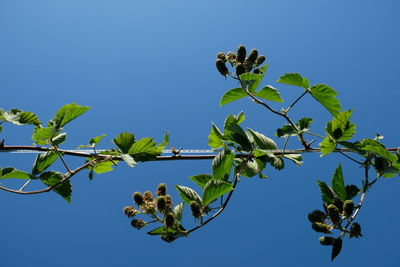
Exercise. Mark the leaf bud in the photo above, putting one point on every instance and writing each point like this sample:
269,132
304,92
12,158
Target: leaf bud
195,207
160,203
130,211
241,54
240,69
138,224
161,190
321,228
326,240
355,230
221,56
316,216
169,220
333,213
138,198
251,59
221,67
148,196
348,207
260,60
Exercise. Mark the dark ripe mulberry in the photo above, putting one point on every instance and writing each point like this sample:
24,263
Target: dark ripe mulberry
138,198
195,207
321,228
138,224
348,208
251,59
161,189
240,69
241,54
130,211
169,220
221,67
334,214
160,203
326,240
260,60
339,204
355,230
168,201
221,56
316,216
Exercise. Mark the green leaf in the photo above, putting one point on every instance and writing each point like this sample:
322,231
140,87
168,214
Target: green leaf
128,160
42,136
95,140
376,148
43,161
351,191
188,194
215,138
1,128
327,193
103,167
269,93
163,231
18,117
178,211
10,172
234,133
285,131
66,114
251,80
239,117
214,189
51,178
165,139
341,128
336,248
59,139
294,79
327,146
250,168
327,97
275,161
296,158
304,124
262,141
338,183
124,141
145,149
232,95
201,179
222,164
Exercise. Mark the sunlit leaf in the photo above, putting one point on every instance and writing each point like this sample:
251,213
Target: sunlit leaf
338,183
51,178
19,117
327,193
294,79
42,136
124,141
66,114
145,149
215,138
232,95
269,93
188,194
214,189
201,179
327,146
262,141
327,97
234,133
43,161
222,164
178,210
128,160
10,172
251,80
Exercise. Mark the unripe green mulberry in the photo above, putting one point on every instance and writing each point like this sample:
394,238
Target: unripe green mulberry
251,59
326,240
138,224
168,201
160,203
169,220
240,69
316,216
221,56
130,211
221,67
355,230
138,198
161,189
334,214
348,207
194,206
260,60
321,227
241,54
148,196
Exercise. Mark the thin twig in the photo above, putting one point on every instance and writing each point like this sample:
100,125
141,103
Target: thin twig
60,156
350,158
294,103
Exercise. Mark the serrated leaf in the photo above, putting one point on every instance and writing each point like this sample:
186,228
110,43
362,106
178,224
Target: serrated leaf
214,189
163,231
338,183
12,173
377,148
128,160
342,122
249,169
42,136
285,131
188,194
294,79
124,141
145,149
327,146
103,167
262,141
95,140
201,179
336,248
304,124
296,158
327,97
351,191
327,193
269,93
43,161
232,95
178,211
251,80
51,178
66,114
215,138
222,164
234,133
19,117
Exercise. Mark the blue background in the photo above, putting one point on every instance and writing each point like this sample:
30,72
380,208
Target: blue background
147,67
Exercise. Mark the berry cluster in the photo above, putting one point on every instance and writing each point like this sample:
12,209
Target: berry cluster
239,60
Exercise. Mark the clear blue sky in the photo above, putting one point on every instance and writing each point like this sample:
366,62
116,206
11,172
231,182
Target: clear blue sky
147,67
